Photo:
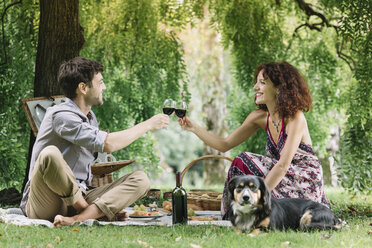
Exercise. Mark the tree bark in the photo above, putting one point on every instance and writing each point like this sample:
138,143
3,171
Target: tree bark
60,38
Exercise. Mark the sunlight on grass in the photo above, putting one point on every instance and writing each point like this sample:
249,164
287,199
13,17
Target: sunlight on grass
356,211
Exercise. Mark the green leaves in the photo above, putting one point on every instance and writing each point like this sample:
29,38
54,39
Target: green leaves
138,43
16,82
143,62
357,138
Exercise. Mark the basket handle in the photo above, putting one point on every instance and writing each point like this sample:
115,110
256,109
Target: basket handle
199,159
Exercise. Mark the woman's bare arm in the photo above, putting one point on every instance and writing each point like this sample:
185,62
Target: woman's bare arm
295,130
253,122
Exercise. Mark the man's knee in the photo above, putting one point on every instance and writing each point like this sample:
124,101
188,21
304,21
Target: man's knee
50,152
142,180
50,156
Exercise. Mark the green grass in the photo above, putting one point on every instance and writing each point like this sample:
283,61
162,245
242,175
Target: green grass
355,211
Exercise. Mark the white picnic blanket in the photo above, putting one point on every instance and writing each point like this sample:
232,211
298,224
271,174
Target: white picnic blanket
16,217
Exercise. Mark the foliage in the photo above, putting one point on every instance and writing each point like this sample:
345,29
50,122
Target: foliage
325,74
208,68
357,139
16,81
175,13
184,148
138,43
315,54
266,33
251,30
143,60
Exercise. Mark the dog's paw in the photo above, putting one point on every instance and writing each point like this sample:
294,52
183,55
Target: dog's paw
255,232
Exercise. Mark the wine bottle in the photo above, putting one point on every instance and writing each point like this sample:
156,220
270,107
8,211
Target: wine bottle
179,202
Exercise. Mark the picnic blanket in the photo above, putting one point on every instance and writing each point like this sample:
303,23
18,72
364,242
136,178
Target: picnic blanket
16,217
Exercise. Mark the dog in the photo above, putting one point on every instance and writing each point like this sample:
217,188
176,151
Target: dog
253,207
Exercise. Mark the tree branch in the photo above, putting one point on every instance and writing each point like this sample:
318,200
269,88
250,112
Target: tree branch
309,11
348,59
3,29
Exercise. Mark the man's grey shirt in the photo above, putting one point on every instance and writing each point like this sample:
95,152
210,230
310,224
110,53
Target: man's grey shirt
75,135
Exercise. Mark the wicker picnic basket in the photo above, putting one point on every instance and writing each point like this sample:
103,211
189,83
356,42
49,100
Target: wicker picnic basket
203,199
102,172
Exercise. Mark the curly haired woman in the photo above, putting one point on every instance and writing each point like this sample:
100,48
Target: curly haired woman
291,170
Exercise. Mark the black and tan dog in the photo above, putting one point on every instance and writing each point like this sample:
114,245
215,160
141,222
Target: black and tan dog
253,207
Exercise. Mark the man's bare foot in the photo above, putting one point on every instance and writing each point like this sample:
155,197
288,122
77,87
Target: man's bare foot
121,216
60,220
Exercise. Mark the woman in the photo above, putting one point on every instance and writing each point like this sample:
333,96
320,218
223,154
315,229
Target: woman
292,169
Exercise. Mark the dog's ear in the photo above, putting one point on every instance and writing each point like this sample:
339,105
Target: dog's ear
232,185
265,195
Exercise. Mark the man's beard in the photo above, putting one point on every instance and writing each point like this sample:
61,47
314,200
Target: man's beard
98,101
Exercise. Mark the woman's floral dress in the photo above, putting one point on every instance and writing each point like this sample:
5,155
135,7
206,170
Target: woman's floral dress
304,178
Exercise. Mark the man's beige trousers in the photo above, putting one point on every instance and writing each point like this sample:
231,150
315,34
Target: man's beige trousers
53,189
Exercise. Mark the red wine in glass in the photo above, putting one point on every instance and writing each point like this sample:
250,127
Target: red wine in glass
168,106
180,112
168,111
180,109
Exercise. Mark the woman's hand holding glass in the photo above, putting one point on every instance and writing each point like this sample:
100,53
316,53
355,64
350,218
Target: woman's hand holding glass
186,123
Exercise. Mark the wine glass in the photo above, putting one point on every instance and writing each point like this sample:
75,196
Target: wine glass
168,106
181,108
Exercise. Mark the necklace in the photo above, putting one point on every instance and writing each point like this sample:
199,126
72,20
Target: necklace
275,125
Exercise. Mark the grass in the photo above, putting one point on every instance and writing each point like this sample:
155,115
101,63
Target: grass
356,211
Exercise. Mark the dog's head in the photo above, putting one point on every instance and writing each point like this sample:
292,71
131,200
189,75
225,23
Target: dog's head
250,190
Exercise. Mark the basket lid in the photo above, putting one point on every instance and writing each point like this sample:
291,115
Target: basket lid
105,168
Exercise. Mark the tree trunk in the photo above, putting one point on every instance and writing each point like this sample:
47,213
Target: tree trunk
334,159
60,38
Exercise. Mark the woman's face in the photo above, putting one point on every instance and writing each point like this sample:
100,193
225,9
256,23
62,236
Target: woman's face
265,90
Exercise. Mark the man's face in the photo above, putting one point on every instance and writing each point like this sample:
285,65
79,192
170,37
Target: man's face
94,93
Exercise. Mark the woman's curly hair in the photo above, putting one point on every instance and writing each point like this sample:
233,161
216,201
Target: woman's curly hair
293,91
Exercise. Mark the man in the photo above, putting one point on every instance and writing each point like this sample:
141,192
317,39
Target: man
59,178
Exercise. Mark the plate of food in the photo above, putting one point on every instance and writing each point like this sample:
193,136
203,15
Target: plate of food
146,214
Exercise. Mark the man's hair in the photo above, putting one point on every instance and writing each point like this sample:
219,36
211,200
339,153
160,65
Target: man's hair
75,71
293,91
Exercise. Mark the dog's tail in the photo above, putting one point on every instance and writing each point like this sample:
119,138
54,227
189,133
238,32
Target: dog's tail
337,225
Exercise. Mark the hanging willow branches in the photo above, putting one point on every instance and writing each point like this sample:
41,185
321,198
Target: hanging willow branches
138,42
4,41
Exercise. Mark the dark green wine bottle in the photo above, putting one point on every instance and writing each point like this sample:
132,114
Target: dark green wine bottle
179,202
